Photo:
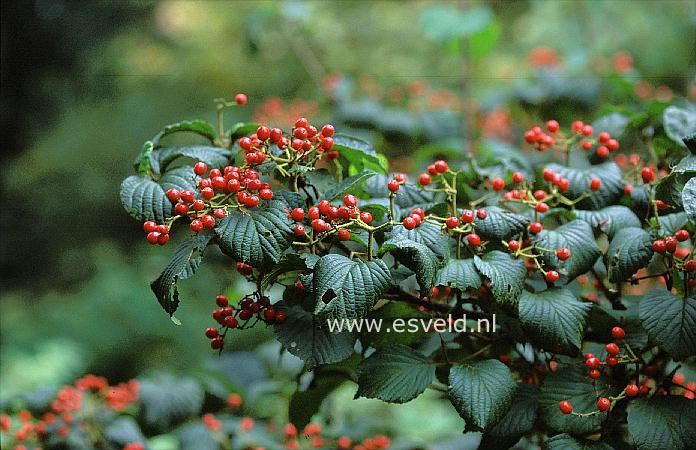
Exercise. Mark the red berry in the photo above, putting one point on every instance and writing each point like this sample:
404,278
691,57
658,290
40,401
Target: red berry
173,194
200,168
301,123
587,130
603,404
514,245
548,174
222,301
612,348
366,217
539,194
661,205
327,130
313,213
425,179
343,235
587,145
593,363
299,230
300,133
681,235
541,207
498,184
350,200
552,276
594,374
252,201
517,177
467,216
196,225
670,244
481,214
563,253
566,407
690,265
198,205
603,137
319,225
441,166
150,226
595,183
631,390
217,343
230,322
563,184
153,237
612,145
181,208
393,185
327,143
266,194
552,126
659,246
474,239
240,99
244,268
211,332
647,174
410,223
452,222
628,189
297,214
612,361
419,212
208,221
400,177
535,228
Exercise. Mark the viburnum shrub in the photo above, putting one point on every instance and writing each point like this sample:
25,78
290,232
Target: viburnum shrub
560,260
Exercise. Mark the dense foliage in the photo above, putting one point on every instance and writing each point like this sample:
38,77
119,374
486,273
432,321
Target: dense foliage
326,234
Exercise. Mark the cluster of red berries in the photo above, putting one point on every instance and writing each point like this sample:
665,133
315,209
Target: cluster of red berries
395,183
304,138
668,244
594,365
542,141
414,219
466,218
156,234
324,216
499,183
65,410
436,169
229,318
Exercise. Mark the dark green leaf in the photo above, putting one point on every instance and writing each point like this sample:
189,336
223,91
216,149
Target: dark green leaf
609,220
304,404
395,374
428,234
610,191
291,262
568,442
662,423
679,123
144,199
481,392
671,322
348,289
554,319
347,185
613,123
360,154
387,315
167,400
308,337
518,421
241,129
183,264
258,236
629,250
459,274
500,224
417,257
212,156
571,383
407,197
506,274
200,127
576,236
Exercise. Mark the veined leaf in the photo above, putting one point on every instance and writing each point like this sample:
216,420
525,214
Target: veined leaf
629,250
662,422
212,156
417,257
576,236
500,224
567,442
609,220
608,173
347,185
359,153
506,274
459,274
670,322
518,421
428,234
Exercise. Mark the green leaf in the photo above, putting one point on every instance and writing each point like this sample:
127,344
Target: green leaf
554,319
689,198
670,322
359,153
241,129
408,196
517,422
481,44
500,224
459,274
481,392
506,274
200,127
347,185
395,374
213,156
679,123
142,163
348,289
143,199
180,178
658,423
304,404
167,400
445,23
567,442
609,220
671,223
613,123
629,250
417,257
257,237
611,189
291,262
570,382
307,337
183,264
428,234
576,236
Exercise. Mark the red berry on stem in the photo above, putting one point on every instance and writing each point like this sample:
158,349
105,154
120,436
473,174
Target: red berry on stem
467,216
474,239
563,253
535,227
230,322
659,246
618,333
441,166
631,390
425,179
541,207
452,222
200,168
211,332
410,223
217,343
593,363
343,235
240,99
566,407
366,217
552,126
595,184
153,237
517,177
681,235
196,225
514,245
393,185
552,276
498,184
594,374
301,123
612,348
603,404
481,214
327,130
647,174
149,226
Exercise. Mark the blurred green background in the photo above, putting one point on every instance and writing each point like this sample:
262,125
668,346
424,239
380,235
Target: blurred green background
85,83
